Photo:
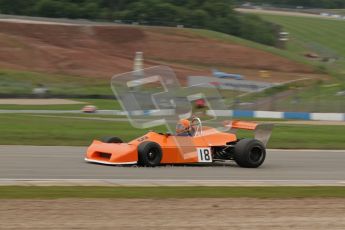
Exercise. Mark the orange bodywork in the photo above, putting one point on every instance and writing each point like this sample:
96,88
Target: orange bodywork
175,149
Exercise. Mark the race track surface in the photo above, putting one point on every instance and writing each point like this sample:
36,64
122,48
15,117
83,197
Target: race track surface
33,162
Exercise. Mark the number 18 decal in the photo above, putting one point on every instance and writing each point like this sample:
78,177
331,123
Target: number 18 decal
204,155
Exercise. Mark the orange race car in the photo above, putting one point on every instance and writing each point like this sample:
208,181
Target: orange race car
193,143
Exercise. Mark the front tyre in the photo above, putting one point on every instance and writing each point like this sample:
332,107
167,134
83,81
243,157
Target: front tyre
149,154
249,153
111,140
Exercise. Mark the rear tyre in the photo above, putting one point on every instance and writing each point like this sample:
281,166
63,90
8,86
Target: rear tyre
149,154
249,153
111,140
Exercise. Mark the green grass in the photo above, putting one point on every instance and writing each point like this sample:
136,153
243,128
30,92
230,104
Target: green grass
233,39
288,136
328,33
318,35
99,103
56,192
12,81
306,137
306,35
41,130
36,130
304,32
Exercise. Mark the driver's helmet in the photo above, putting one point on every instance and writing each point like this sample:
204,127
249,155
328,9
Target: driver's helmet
183,127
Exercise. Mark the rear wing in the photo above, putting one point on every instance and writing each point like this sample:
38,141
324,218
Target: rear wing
262,132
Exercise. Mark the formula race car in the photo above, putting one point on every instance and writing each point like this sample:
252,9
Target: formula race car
205,145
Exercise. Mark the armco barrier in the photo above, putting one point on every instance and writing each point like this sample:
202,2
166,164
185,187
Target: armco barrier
219,113
243,113
295,115
283,115
261,114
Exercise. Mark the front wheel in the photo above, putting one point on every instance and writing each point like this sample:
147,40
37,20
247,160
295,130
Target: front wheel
111,140
149,154
249,153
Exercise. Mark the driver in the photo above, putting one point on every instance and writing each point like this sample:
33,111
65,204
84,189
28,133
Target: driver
183,128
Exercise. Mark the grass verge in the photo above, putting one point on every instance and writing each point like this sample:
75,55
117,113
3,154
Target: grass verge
315,35
324,35
55,192
59,130
25,129
99,103
17,82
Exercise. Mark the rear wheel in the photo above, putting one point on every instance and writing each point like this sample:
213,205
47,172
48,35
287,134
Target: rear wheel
111,140
149,154
249,153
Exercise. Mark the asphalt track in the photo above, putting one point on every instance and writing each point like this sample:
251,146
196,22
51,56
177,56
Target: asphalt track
52,164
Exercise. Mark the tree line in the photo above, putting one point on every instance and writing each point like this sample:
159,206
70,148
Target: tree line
216,15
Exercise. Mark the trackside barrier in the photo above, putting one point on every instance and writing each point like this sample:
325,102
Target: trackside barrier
284,115
261,114
220,113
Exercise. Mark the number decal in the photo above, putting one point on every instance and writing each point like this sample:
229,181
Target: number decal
204,155
142,138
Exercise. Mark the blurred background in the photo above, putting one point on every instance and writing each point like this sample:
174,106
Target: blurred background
57,59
